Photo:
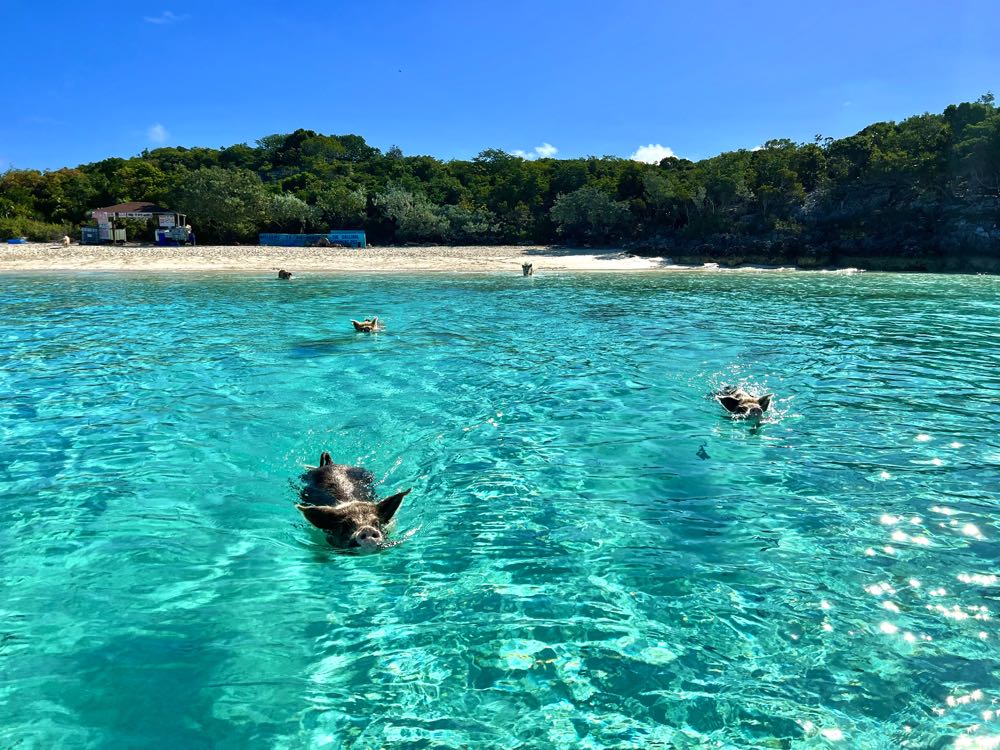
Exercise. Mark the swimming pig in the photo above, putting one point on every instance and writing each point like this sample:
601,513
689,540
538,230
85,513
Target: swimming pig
367,325
341,501
739,403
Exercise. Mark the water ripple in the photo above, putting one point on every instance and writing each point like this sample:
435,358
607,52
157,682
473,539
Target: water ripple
593,555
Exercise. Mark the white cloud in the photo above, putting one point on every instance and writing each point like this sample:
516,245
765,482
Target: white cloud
758,148
165,17
652,153
545,151
40,120
157,133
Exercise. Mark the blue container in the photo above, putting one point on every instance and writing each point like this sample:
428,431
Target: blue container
17,241
163,238
351,238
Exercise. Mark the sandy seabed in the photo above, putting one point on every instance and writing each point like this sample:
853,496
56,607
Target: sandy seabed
473,258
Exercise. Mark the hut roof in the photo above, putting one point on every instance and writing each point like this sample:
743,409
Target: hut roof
135,207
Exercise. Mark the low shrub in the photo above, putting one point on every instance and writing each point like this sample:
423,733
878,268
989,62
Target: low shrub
34,230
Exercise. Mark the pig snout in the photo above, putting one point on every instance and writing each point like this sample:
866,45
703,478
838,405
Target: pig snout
367,538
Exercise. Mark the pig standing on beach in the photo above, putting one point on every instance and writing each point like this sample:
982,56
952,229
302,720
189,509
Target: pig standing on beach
341,501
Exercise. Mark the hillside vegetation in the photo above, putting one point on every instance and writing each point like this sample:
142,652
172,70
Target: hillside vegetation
921,194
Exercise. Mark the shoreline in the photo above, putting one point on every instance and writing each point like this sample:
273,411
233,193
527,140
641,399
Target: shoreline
40,256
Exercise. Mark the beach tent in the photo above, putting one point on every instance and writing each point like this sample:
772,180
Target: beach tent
168,220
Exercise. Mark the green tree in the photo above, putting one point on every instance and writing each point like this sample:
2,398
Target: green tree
286,213
467,225
978,157
589,214
68,196
223,205
414,216
140,180
341,206
19,191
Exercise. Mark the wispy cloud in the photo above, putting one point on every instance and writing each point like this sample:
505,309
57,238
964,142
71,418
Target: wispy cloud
652,153
165,17
545,151
40,120
157,133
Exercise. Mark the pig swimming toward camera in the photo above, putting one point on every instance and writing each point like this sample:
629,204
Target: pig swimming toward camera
341,501
739,403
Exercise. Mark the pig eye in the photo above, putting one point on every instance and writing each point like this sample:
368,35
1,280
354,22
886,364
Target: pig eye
337,528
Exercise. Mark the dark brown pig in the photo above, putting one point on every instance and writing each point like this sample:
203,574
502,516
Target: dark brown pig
341,501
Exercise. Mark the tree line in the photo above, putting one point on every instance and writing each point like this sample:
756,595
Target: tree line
920,193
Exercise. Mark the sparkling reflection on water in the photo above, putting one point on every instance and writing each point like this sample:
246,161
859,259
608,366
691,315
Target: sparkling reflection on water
594,556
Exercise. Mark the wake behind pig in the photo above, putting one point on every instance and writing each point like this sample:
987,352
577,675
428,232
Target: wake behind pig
341,501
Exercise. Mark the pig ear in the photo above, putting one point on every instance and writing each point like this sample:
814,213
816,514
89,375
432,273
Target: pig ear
765,401
325,458
730,403
387,508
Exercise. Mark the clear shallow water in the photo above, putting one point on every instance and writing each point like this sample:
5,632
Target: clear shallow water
574,573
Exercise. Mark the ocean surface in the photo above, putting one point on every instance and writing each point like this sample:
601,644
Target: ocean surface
593,554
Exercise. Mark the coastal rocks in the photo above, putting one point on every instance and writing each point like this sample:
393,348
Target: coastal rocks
961,245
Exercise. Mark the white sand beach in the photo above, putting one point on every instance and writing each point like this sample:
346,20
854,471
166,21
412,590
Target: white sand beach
54,257
474,258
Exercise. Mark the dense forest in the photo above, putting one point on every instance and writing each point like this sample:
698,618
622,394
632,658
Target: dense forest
919,194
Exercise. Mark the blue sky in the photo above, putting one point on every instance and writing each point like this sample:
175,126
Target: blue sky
82,82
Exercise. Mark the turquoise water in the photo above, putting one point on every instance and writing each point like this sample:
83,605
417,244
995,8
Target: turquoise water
593,555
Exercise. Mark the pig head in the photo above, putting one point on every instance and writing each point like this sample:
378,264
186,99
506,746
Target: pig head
739,403
341,501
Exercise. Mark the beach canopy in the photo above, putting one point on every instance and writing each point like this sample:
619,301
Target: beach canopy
171,223
133,210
